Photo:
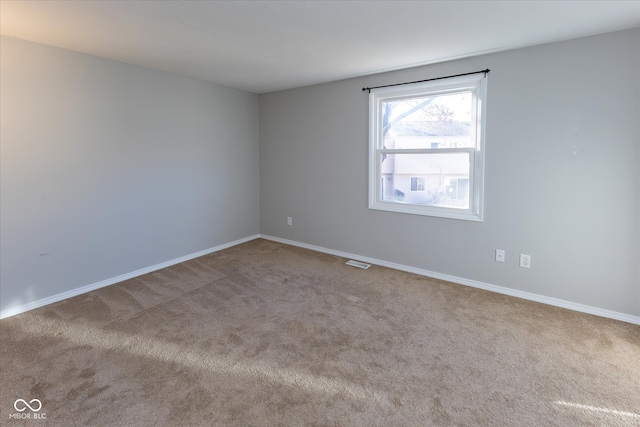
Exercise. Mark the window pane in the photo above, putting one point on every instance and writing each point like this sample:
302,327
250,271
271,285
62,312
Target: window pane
435,179
441,121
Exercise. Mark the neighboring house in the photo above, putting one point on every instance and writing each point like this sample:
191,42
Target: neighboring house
440,179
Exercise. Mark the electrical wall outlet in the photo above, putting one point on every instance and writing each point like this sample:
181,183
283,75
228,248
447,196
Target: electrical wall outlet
500,255
525,261
289,220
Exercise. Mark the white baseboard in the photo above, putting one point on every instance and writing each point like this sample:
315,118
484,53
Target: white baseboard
12,311
468,282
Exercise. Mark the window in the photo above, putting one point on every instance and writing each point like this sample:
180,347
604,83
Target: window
426,148
417,183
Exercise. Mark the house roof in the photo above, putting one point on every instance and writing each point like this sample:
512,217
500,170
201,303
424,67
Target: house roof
432,128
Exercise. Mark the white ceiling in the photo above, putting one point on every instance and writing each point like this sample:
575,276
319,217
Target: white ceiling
265,46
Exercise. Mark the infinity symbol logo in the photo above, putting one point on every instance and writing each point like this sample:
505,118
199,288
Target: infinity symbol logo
26,405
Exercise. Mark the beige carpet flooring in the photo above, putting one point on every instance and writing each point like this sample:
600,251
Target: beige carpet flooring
265,334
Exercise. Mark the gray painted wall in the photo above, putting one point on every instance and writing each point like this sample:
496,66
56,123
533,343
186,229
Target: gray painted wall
562,174
108,168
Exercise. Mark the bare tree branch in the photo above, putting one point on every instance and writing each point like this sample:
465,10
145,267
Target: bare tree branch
410,111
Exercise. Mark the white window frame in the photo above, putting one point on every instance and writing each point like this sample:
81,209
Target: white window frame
477,85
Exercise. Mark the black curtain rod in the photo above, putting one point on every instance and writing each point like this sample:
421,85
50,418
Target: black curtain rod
427,80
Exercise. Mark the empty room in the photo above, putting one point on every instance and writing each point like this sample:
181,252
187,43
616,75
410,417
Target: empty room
320,213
